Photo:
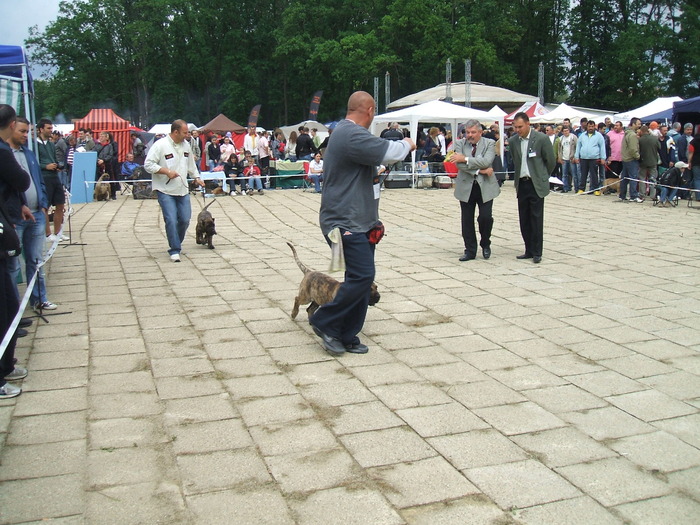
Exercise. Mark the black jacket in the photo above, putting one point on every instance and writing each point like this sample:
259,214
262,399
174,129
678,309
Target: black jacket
14,181
305,146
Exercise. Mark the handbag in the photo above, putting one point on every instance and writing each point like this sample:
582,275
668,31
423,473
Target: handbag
9,240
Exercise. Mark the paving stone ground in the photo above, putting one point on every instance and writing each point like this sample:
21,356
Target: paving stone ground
494,392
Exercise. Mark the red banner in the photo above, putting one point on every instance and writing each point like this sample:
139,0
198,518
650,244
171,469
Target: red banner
315,103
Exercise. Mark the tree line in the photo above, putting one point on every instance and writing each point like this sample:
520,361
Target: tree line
156,60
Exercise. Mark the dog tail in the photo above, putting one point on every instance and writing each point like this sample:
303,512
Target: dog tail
300,264
212,202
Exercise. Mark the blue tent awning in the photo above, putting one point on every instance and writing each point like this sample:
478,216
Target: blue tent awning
14,64
666,114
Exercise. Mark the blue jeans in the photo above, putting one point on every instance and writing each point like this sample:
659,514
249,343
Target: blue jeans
629,169
317,178
255,183
212,164
305,157
176,215
695,183
568,174
344,316
32,236
667,194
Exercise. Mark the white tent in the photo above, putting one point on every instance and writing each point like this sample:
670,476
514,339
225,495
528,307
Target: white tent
655,106
435,112
481,95
562,111
164,129
496,111
311,124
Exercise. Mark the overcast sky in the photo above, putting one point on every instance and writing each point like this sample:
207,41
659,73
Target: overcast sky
20,15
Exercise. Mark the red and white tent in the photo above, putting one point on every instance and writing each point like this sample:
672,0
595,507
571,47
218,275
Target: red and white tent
531,109
107,120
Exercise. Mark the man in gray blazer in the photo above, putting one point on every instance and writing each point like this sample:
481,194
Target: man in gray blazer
533,158
476,186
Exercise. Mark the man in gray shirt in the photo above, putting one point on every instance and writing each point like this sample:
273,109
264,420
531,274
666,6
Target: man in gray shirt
350,203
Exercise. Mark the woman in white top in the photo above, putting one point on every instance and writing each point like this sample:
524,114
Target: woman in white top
291,148
316,171
227,149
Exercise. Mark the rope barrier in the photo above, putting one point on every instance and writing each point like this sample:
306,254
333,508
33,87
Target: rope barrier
31,282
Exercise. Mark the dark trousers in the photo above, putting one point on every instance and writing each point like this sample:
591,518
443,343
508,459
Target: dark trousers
9,305
344,317
531,214
485,220
589,170
615,169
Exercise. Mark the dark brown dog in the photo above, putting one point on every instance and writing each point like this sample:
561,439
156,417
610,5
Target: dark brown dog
318,289
205,228
102,188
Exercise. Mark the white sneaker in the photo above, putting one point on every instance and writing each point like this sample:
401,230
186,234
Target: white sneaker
232,193
243,192
637,200
46,305
51,238
65,238
175,257
16,374
7,391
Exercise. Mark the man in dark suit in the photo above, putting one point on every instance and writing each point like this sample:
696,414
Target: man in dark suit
476,186
534,160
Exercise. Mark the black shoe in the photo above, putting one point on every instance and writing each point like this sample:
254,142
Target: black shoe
537,259
524,256
467,257
332,345
486,252
357,348
25,322
21,332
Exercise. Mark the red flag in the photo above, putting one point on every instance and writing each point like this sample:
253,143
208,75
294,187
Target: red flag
315,103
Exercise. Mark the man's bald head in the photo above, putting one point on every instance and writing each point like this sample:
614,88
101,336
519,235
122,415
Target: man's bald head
361,108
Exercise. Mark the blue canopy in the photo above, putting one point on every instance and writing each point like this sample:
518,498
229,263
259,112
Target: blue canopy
14,63
687,110
16,82
666,114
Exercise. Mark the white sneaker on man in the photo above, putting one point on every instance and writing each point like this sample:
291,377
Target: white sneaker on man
65,238
16,374
7,391
175,257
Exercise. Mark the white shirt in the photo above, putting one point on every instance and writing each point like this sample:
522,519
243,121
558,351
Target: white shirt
524,149
315,168
177,157
566,146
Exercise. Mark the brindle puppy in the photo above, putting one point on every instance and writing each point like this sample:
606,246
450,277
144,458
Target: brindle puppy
205,227
318,289
102,188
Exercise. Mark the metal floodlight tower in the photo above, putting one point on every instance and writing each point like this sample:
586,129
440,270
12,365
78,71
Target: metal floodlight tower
540,83
468,83
376,92
448,81
387,90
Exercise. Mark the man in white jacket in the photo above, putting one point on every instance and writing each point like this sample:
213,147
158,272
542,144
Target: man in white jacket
170,161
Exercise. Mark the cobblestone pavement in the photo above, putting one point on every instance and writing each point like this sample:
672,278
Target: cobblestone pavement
495,391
